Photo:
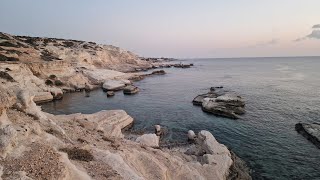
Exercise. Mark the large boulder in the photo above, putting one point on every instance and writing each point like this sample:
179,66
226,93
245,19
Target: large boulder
151,140
113,85
310,131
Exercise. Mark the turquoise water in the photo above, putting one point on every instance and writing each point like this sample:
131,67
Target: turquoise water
279,93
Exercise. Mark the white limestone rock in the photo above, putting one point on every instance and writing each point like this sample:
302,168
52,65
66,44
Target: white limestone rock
151,140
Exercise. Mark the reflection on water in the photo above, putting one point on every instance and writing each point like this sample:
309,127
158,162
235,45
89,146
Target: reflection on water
279,92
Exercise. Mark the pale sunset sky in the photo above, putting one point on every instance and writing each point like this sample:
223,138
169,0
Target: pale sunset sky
174,28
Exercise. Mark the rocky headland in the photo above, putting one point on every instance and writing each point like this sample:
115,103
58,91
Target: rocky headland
39,145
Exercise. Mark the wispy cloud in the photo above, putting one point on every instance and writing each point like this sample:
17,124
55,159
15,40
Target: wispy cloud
266,43
315,34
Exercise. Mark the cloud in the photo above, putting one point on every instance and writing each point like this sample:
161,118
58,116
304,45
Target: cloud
267,43
315,34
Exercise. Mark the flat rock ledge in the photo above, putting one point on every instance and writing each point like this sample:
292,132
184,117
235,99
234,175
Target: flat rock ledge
221,103
310,131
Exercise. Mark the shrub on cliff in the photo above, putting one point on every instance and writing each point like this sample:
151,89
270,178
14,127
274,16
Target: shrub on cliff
6,76
49,82
52,76
8,44
5,58
78,154
68,44
58,83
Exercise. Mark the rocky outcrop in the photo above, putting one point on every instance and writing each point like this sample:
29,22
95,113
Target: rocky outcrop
310,131
221,103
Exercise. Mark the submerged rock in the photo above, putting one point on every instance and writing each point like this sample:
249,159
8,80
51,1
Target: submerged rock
310,131
130,89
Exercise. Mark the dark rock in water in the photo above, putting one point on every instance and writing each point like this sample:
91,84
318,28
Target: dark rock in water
182,65
110,93
160,72
310,131
186,66
221,103
130,90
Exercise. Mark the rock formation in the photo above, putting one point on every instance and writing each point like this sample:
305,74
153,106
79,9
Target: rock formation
310,131
221,103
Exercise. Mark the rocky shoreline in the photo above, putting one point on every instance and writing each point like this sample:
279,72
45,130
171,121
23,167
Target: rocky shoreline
39,145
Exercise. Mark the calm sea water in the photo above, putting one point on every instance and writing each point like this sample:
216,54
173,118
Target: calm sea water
279,93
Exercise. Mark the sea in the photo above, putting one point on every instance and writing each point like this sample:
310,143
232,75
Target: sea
279,92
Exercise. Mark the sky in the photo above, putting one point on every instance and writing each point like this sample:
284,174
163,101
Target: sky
174,28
